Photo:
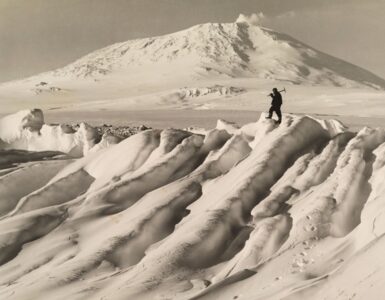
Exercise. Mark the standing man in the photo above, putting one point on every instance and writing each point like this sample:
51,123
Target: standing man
275,105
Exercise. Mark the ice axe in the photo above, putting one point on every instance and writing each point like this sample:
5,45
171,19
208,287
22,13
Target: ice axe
284,90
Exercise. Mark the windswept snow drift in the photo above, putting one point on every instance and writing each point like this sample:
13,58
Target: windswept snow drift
295,211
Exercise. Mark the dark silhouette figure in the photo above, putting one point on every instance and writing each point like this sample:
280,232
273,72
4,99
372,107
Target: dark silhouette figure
275,105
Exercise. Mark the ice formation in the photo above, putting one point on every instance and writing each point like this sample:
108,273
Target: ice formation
262,211
26,130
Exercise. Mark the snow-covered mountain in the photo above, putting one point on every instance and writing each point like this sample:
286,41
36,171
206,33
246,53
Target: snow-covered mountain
222,50
206,67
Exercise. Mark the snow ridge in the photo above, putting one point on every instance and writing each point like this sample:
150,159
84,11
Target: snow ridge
260,211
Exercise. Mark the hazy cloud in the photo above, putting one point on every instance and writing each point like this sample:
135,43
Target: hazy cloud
289,14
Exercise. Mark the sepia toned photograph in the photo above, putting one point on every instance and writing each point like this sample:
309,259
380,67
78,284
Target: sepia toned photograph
192,149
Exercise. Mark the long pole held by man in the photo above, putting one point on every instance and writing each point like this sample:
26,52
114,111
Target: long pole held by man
276,103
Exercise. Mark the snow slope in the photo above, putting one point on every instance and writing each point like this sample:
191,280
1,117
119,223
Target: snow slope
261,211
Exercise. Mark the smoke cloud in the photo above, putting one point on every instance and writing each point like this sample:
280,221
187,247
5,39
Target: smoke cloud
253,19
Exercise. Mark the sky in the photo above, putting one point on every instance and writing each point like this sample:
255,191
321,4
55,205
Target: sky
41,35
